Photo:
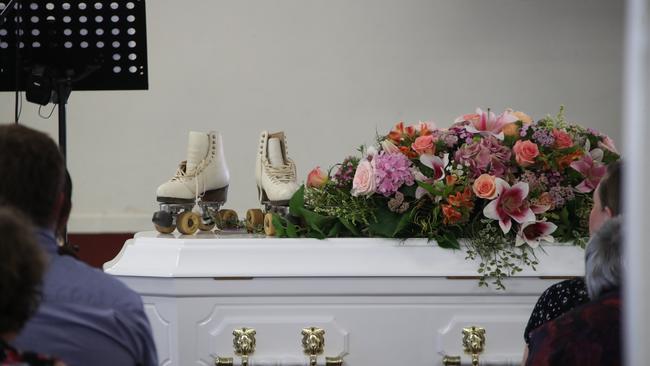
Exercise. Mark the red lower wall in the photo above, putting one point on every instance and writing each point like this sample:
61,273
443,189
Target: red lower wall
97,249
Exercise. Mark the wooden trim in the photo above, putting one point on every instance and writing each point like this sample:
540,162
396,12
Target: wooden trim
97,249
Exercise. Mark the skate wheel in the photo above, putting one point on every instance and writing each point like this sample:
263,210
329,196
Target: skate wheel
164,229
269,229
188,223
254,220
206,226
228,219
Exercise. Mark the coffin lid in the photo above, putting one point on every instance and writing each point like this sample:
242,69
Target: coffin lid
150,254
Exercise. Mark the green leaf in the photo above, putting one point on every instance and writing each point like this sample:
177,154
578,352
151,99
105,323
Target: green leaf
349,226
280,231
292,230
335,230
428,187
448,241
317,222
386,223
297,202
409,191
564,216
404,221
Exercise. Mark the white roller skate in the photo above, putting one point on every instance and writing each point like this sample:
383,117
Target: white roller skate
200,180
276,180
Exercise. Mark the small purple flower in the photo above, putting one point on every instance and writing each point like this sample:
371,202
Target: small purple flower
561,195
543,137
345,172
391,172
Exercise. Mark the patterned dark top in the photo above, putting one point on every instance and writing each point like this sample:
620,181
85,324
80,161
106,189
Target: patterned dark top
9,356
555,301
589,335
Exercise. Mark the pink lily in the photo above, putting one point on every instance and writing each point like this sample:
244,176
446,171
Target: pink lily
487,123
533,232
510,204
607,143
592,170
437,164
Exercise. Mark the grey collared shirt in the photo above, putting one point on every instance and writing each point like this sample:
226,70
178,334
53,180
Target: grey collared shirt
86,317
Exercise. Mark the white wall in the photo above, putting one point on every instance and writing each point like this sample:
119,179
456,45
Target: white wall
330,74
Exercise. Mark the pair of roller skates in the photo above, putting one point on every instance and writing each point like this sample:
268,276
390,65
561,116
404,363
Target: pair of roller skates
192,199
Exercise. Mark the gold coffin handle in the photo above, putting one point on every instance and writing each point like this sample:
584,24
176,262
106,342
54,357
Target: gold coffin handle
243,343
313,345
448,361
473,345
223,361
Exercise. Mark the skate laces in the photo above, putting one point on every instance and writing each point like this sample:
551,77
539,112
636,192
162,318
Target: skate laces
282,174
180,172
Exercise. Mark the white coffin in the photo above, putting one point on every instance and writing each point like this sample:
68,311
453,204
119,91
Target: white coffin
380,302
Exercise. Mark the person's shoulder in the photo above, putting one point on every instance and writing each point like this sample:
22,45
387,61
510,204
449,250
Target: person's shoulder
573,285
70,277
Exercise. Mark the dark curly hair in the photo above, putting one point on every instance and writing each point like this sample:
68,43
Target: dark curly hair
32,173
22,265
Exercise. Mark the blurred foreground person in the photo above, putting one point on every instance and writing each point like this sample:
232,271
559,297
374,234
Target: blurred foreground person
590,334
22,265
86,317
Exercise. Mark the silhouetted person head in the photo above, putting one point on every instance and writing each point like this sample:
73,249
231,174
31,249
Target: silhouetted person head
33,172
604,258
22,265
607,197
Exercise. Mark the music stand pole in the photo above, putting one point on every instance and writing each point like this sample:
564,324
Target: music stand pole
61,93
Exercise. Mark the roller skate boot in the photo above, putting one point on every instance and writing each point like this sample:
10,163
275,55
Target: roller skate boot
202,180
276,181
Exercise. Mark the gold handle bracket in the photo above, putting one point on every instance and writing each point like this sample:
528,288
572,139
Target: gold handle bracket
474,342
473,345
243,343
313,345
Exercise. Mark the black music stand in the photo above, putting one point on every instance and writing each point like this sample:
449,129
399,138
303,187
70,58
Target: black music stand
50,47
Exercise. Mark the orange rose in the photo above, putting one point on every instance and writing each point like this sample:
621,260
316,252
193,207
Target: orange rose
424,145
525,152
317,178
485,187
523,117
562,139
511,129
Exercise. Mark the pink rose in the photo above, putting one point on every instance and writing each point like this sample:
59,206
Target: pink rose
424,145
525,152
562,139
364,183
316,178
485,186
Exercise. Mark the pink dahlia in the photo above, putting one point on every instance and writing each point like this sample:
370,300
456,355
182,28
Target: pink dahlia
510,204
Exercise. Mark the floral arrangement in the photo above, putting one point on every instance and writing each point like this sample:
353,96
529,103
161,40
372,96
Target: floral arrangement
503,182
